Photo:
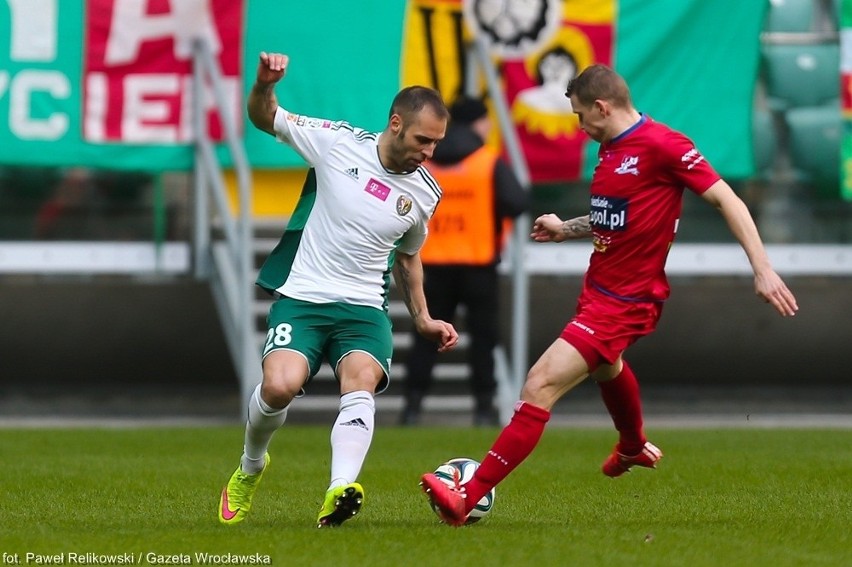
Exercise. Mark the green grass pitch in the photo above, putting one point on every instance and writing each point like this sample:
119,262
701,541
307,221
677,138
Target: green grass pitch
728,497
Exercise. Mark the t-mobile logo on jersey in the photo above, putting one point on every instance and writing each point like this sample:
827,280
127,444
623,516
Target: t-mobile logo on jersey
377,189
609,213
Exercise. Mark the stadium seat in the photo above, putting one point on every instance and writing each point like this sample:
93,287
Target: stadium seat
790,16
815,138
764,142
801,75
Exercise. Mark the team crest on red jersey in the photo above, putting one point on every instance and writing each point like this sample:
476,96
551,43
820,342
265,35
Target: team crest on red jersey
628,165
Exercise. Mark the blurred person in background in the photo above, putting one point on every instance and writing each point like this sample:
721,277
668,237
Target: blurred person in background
481,195
636,196
66,214
364,209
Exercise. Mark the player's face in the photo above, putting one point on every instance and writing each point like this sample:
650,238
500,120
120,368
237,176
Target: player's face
414,142
593,118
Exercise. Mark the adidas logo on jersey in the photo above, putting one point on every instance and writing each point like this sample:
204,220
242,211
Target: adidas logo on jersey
352,172
357,422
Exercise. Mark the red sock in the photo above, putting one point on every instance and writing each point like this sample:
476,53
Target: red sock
621,397
514,444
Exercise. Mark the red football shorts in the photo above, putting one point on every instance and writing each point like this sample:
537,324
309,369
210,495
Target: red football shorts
604,326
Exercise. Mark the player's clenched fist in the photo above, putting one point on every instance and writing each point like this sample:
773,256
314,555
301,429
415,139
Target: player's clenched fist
272,67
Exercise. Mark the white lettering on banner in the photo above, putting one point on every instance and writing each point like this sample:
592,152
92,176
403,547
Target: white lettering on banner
132,26
156,109
34,30
21,123
148,116
94,115
33,38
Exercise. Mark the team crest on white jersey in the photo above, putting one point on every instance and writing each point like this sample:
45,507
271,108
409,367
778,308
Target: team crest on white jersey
628,165
403,205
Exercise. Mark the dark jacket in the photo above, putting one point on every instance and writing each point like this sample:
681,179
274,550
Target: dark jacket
459,142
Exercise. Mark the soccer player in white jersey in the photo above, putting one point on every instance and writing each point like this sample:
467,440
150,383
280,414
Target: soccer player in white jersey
362,215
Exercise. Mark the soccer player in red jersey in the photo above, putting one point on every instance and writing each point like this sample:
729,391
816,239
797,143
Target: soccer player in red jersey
636,196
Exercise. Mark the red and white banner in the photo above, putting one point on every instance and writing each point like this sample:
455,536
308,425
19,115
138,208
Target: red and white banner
535,84
537,46
138,67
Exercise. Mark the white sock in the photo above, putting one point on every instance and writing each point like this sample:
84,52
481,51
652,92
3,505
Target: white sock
351,436
262,422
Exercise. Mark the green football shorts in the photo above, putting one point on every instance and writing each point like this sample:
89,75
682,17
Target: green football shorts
330,331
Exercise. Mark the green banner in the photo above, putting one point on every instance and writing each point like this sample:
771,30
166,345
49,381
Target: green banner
693,64
690,63
344,63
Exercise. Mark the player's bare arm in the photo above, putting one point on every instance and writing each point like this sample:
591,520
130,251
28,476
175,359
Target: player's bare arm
408,275
403,276
262,102
578,227
768,285
551,228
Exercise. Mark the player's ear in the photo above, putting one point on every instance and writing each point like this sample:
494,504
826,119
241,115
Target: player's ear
395,123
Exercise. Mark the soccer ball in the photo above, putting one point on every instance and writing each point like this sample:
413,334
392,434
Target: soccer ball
465,467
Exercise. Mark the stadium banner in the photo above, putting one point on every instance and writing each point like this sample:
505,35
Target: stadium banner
105,83
694,69
535,82
846,99
538,48
137,77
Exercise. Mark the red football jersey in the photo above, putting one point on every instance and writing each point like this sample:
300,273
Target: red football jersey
636,200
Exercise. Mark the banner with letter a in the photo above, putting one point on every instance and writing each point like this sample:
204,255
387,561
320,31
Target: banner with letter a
138,67
107,83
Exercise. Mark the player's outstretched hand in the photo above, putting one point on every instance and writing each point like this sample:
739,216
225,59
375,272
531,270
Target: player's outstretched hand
771,288
548,228
272,67
439,331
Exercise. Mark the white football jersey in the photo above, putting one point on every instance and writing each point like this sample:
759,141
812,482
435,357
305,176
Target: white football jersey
352,216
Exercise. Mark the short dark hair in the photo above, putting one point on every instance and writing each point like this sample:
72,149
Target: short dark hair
599,82
412,100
